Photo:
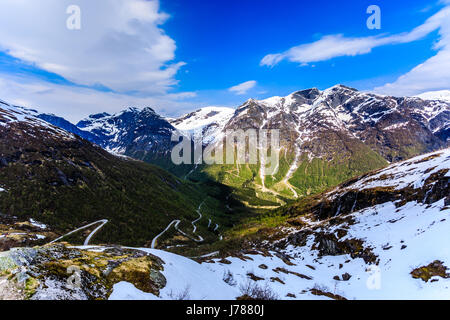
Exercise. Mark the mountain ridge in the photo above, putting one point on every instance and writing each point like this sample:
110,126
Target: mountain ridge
330,135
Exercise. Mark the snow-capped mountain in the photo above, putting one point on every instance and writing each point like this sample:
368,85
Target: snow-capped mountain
65,125
209,121
26,119
386,124
332,134
338,133
53,176
130,131
443,95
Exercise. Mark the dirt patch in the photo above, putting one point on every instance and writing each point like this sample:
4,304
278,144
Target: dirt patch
318,292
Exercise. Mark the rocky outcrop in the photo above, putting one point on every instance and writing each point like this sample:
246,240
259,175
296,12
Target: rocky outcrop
62,272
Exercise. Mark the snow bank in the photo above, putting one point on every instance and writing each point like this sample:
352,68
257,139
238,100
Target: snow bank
403,240
185,277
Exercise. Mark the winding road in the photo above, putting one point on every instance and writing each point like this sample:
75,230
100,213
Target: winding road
176,224
199,218
159,235
89,237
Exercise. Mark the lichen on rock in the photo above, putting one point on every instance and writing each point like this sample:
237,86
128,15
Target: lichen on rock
59,271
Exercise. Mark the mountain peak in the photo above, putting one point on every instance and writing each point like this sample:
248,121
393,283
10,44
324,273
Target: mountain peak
148,111
443,95
344,87
99,115
131,109
307,93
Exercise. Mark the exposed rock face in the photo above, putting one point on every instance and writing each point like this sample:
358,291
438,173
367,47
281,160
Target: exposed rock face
426,180
62,272
396,128
132,132
434,269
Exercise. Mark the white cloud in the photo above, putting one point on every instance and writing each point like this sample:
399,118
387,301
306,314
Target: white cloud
431,75
242,88
121,44
75,103
332,46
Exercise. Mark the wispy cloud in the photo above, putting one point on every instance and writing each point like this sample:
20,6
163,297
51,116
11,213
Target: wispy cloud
243,88
332,46
433,74
74,103
121,44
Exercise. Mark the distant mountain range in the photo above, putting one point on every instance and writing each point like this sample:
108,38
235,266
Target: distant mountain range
329,136
326,137
336,215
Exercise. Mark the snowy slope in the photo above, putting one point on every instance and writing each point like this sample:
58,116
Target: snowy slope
15,115
210,121
132,129
443,95
395,238
419,229
185,278
366,254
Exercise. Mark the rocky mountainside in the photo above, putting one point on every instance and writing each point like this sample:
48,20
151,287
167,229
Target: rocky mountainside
132,132
63,272
326,137
52,176
378,236
329,136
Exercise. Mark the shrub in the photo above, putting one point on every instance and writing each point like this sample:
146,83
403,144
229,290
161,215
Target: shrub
251,290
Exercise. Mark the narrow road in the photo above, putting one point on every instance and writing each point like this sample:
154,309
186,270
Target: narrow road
159,235
198,219
176,224
207,255
88,239
86,242
200,238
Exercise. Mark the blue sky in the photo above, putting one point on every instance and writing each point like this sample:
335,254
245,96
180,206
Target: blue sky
224,42
179,55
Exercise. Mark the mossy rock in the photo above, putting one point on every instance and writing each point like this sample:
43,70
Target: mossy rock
98,270
434,269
